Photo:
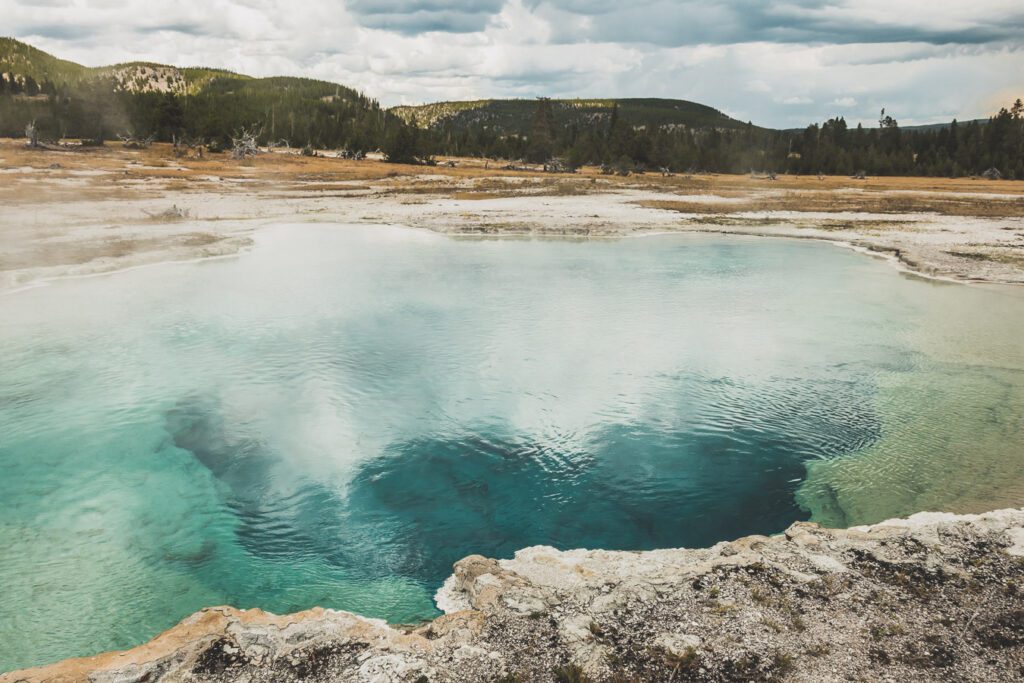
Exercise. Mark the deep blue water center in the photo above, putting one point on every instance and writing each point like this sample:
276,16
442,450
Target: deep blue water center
337,416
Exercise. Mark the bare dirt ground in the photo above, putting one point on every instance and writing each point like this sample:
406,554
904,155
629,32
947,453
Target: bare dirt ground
84,212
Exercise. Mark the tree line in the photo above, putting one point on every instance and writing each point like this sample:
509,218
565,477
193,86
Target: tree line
305,112
829,148
301,112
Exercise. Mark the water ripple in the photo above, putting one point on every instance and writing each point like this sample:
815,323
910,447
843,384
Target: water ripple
337,416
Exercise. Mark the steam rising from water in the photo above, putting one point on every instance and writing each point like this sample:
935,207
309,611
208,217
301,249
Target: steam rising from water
336,417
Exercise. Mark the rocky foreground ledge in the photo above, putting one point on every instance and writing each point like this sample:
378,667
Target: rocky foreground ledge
932,597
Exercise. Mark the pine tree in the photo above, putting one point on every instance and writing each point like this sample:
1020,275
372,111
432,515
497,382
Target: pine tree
402,144
171,118
621,139
542,132
613,122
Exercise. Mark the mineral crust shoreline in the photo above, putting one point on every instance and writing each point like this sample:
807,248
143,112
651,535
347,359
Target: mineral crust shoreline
111,209
934,597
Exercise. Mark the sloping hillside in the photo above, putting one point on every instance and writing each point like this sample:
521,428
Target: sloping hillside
516,116
140,77
20,59
66,99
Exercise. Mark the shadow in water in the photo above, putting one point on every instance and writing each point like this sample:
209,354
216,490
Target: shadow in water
435,501
428,502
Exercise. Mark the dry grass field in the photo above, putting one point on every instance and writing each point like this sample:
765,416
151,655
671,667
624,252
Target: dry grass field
485,177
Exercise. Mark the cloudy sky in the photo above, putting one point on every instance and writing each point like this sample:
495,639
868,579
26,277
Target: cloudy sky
775,63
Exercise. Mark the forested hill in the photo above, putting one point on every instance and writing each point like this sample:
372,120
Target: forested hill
584,131
68,100
625,135
515,117
145,99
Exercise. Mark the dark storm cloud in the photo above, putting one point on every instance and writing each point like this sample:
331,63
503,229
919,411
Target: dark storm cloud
192,29
423,16
55,31
689,22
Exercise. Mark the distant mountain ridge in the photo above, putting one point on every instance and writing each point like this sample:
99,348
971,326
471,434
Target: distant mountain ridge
48,99
69,100
23,60
515,116
505,116
943,126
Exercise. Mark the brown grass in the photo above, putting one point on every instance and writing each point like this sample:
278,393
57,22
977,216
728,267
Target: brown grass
473,179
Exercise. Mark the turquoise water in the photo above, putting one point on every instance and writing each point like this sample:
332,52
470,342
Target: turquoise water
338,415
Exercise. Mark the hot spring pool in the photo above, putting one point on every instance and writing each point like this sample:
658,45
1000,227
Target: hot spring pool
338,415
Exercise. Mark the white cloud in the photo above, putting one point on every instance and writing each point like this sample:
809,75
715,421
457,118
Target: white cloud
773,63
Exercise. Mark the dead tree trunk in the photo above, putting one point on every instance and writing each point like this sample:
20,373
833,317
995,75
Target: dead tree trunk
185,146
132,141
32,133
244,143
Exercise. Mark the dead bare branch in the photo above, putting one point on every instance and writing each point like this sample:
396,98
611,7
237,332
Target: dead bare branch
189,147
244,143
133,141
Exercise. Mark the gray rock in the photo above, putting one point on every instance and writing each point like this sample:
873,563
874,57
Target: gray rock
935,597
